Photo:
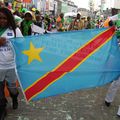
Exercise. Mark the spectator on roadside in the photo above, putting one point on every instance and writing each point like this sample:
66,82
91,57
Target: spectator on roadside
77,24
38,20
26,24
60,22
47,23
89,23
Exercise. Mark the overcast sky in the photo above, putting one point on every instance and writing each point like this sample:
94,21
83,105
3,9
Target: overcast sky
81,3
84,3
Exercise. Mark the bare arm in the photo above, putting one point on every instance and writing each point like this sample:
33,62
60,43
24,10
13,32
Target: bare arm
2,41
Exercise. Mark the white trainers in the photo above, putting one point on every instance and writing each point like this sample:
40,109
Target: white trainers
118,113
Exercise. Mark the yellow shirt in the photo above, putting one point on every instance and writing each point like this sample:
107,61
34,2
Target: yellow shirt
77,25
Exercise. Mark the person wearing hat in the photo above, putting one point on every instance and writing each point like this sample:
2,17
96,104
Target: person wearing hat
26,24
33,10
77,24
23,11
38,20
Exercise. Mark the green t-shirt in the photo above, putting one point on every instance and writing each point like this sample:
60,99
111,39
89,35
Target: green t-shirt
117,24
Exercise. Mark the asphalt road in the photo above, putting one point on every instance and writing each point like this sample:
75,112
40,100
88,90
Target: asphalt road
79,105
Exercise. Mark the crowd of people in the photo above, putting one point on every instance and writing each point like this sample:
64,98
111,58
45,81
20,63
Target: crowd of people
23,23
26,18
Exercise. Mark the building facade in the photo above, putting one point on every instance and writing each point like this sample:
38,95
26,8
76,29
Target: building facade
84,12
65,6
116,4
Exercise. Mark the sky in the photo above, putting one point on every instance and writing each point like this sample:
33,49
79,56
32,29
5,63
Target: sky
81,3
84,3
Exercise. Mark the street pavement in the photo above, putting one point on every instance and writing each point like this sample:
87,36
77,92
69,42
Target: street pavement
85,104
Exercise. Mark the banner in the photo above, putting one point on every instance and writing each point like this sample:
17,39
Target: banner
58,63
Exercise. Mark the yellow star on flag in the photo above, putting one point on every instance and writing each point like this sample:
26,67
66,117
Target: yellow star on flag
33,53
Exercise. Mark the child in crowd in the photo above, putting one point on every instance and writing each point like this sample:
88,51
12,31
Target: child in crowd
26,24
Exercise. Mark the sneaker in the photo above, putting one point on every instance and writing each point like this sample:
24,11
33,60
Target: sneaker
107,103
14,100
118,113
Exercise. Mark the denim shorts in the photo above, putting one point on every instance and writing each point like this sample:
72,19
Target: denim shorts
10,76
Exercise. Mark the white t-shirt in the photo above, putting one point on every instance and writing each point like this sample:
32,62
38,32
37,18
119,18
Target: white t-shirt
7,60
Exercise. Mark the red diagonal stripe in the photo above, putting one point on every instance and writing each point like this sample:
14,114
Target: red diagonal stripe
70,64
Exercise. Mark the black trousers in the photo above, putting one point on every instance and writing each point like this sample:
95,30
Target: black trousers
3,100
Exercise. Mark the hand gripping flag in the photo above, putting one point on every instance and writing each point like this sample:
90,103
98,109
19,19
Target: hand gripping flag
57,63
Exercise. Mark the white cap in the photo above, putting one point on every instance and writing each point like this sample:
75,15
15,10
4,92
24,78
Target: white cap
29,12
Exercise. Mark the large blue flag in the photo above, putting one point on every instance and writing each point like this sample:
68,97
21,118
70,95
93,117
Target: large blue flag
58,63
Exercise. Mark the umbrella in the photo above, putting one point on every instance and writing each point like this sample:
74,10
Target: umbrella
70,14
115,17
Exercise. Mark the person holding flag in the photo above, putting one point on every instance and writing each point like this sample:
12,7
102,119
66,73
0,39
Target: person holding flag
112,90
8,30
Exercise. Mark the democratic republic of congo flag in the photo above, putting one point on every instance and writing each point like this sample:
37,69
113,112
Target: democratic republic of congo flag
57,63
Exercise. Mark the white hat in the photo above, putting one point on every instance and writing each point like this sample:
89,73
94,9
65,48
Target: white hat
29,12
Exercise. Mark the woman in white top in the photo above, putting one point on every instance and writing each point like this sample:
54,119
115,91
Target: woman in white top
7,61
